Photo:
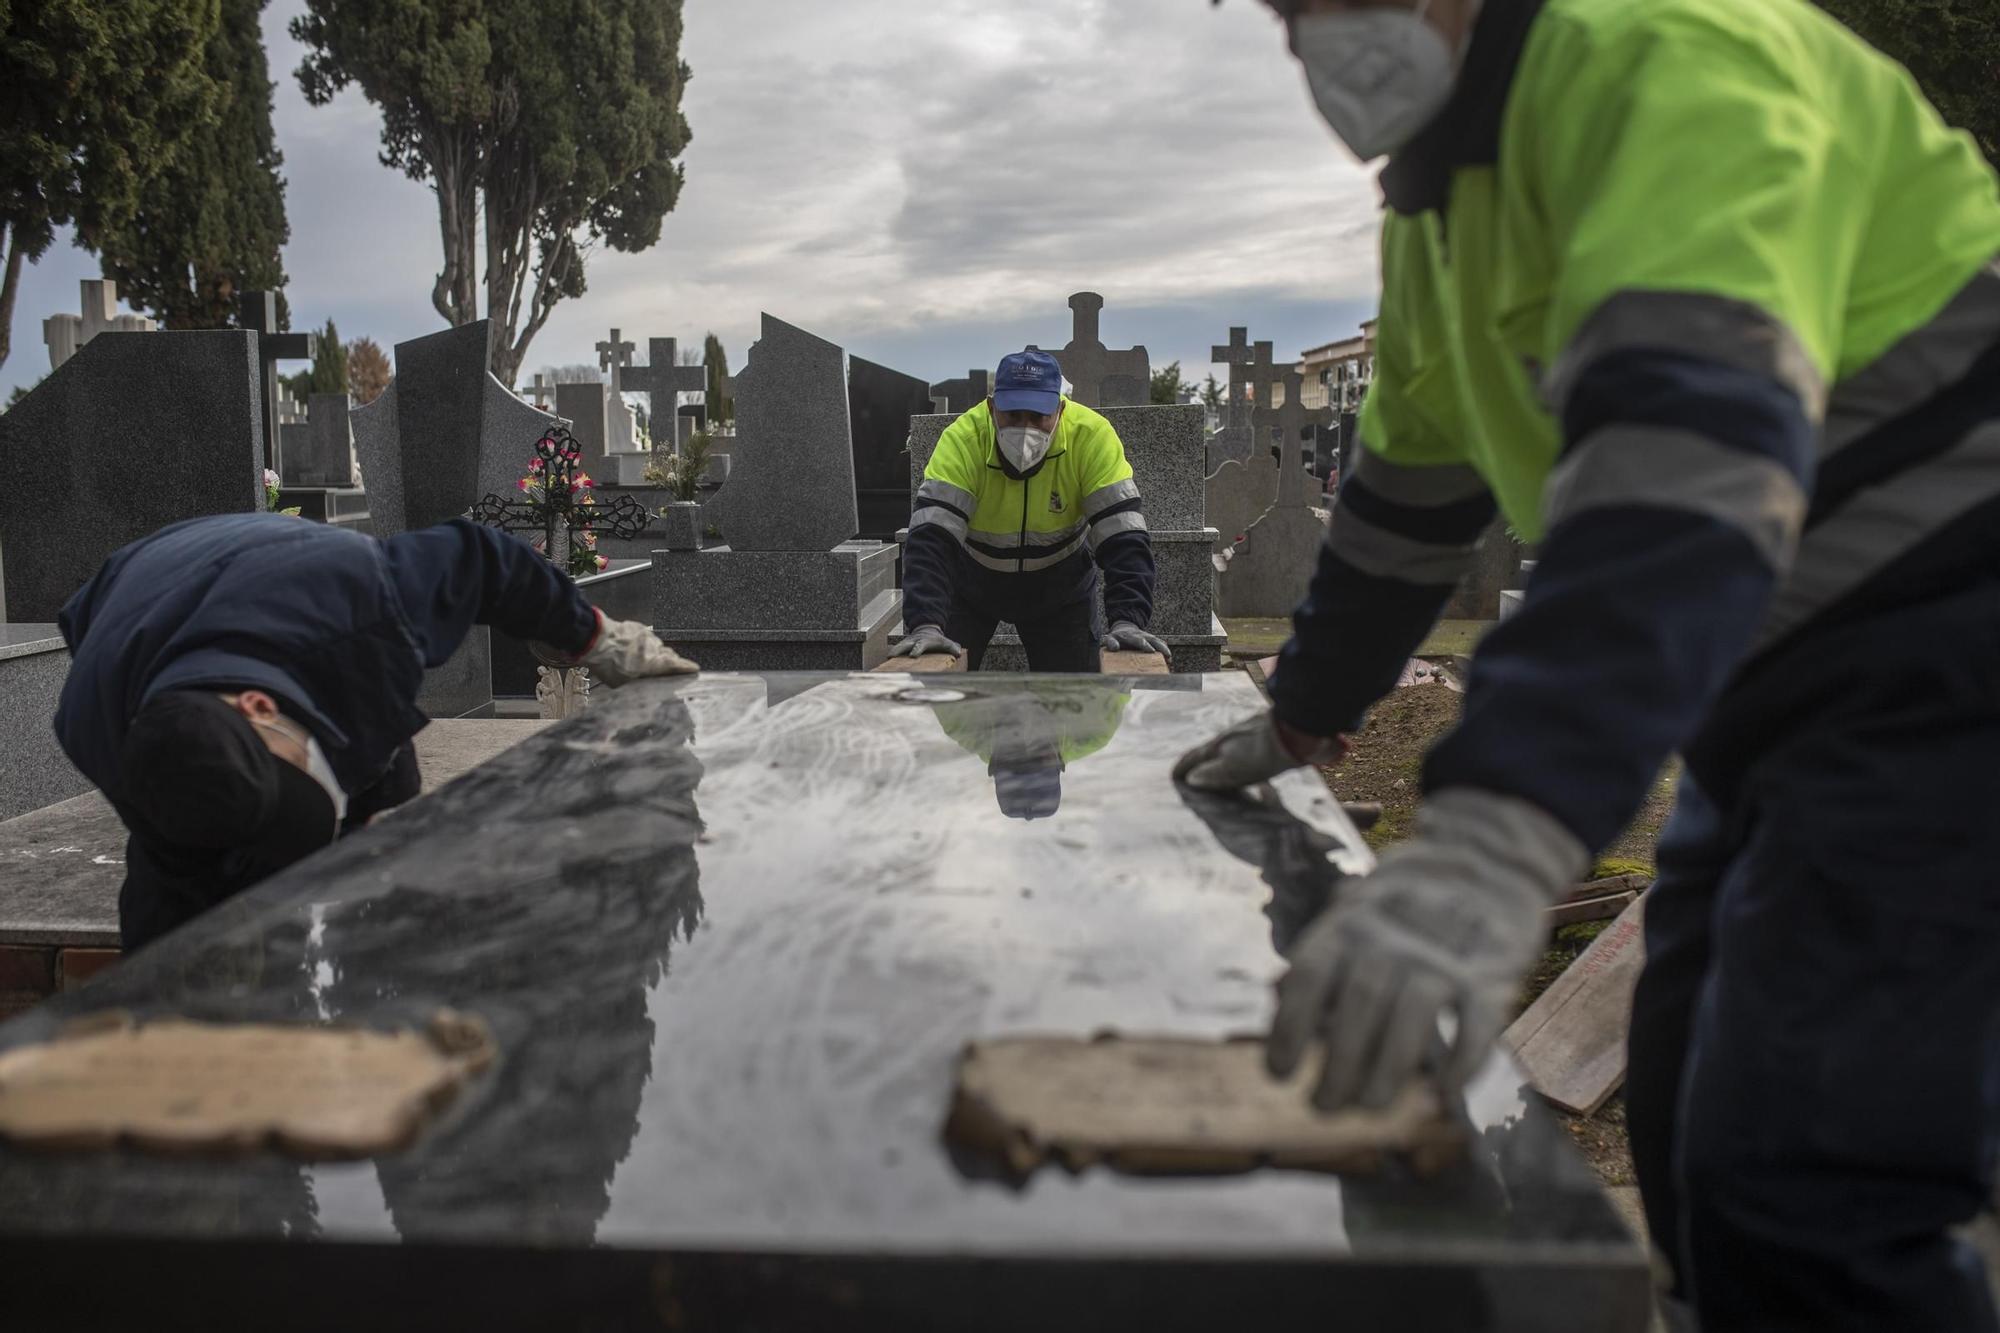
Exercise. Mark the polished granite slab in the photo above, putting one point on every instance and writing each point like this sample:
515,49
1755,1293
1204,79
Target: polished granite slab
730,934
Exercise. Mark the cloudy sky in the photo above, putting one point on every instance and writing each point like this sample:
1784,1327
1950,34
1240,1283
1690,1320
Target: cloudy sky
923,181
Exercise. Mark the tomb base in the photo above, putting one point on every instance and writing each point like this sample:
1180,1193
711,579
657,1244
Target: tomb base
778,610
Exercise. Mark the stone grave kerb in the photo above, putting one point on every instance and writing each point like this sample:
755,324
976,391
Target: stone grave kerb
664,377
1098,376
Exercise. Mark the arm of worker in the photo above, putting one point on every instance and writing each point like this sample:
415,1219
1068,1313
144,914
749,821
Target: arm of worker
1404,528
1121,545
1695,319
455,575
939,520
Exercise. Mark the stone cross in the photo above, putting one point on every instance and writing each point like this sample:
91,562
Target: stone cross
544,391
1098,376
1237,357
64,334
614,356
258,312
663,379
1295,483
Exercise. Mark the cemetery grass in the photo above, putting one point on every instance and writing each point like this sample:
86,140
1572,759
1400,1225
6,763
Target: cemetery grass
1385,767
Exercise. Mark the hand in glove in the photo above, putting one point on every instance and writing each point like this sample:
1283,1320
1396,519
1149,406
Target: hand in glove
1450,920
1255,750
923,641
625,650
1126,637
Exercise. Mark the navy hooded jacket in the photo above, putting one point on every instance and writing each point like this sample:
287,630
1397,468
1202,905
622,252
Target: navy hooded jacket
338,627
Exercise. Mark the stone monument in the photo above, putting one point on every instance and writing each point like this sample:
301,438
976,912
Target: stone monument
881,403
1233,439
134,432
443,435
64,334
1098,376
788,589
662,379
1273,565
957,397
258,312
1165,448
321,474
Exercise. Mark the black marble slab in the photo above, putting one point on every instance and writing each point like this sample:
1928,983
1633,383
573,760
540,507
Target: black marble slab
730,934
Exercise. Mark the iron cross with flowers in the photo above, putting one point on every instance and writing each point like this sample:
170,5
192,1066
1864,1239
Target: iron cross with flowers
560,501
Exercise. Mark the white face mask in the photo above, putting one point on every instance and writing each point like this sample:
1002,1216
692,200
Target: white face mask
1378,75
1023,446
317,767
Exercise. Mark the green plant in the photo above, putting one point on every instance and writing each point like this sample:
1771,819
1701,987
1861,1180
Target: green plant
683,476
271,485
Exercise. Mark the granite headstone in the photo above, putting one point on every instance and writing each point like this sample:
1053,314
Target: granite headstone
881,402
134,432
1098,376
792,485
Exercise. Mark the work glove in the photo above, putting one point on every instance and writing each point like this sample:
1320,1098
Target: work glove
1449,921
1255,750
625,650
1126,637
923,641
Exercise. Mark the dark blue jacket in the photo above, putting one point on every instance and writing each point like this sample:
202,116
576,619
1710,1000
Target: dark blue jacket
338,627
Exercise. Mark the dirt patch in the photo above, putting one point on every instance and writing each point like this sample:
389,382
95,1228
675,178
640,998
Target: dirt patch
1603,1140
1386,762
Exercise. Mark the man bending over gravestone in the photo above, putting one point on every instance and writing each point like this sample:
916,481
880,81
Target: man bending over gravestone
1026,498
243,688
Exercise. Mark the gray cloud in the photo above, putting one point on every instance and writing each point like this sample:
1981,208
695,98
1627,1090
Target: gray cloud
923,180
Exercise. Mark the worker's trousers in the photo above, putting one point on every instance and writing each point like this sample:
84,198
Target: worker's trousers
1055,638
1815,1049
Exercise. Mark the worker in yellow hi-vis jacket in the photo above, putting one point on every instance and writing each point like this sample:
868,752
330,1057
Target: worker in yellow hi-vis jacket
1702,295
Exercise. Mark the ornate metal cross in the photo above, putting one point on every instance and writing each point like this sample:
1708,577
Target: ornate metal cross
558,500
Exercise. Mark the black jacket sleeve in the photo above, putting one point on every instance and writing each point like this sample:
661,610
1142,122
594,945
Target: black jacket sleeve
1129,575
460,574
928,573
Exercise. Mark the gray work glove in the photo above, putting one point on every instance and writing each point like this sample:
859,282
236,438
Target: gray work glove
1126,637
1255,750
923,641
626,650
1450,920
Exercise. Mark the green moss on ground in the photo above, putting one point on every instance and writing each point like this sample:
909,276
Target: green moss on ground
1454,638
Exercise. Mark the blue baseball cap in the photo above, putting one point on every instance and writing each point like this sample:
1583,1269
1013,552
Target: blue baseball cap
1028,381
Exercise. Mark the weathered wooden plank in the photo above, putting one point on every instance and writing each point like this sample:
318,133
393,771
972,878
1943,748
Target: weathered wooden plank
1589,909
1133,664
1571,1041
929,662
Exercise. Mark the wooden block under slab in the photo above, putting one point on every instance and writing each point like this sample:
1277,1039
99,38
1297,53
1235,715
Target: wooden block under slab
1571,1041
1134,664
1175,1106
929,662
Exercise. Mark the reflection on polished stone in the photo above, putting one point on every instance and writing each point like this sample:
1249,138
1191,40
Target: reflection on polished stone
730,934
